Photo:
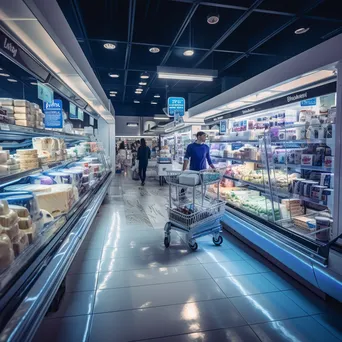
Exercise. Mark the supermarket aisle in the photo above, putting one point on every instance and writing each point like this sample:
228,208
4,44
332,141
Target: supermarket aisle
125,286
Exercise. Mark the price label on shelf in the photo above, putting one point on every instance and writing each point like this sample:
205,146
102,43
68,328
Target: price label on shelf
4,127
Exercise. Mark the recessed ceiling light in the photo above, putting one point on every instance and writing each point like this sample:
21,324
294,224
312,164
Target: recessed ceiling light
112,95
145,76
113,92
136,101
109,46
139,89
113,75
11,80
142,83
138,92
34,83
302,30
157,96
5,75
213,19
188,53
154,103
154,49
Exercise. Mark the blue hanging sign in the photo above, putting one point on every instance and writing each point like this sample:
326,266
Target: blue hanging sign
72,111
309,102
53,114
176,105
223,126
45,93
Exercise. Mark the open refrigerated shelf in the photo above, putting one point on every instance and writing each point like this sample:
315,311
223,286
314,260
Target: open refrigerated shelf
266,183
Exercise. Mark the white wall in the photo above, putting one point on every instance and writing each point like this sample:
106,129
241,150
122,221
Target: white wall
106,134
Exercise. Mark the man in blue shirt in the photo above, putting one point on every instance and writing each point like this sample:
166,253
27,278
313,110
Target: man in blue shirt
198,153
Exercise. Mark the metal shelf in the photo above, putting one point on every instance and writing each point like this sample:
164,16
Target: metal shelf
263,188
310,200
244,160
305,167
20,174
257,186
14,132
303,141
235,141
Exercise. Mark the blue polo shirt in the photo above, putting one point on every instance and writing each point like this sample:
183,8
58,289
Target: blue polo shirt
199,155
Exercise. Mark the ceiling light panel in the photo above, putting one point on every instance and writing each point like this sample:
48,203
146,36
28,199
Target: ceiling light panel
145,76
142,83
154,49
4,75
109,46
188,53
188,77
113,75
12,80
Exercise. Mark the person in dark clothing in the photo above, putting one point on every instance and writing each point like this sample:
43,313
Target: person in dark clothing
144,154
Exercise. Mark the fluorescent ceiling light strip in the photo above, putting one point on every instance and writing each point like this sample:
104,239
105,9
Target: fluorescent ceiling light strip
188,77
305,80
161,118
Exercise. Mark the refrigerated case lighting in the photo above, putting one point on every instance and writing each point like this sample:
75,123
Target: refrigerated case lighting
305,80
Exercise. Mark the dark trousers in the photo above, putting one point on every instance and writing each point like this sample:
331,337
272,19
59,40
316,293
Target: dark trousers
142,172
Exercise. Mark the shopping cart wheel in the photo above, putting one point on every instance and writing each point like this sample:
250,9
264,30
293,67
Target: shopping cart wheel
194,246
218,241
166,242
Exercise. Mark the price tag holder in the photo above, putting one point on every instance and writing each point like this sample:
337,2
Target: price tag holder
4,127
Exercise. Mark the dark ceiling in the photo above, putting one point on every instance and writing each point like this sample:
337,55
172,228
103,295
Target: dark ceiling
251,36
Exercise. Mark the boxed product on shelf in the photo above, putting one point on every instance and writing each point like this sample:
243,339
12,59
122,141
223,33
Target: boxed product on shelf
52,148
8,164
28,159
27,201
56,199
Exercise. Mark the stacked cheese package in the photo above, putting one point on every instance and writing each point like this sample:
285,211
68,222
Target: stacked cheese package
12,240
50,149
56,199
8,164
28,159
38,115
7,111
22,114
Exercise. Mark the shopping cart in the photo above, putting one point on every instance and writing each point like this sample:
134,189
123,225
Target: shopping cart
191,211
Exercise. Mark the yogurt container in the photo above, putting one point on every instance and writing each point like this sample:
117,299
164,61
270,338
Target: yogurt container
323,225
317,192
60,177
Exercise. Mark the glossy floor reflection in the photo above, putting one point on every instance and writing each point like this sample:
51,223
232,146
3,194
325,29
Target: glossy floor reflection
124,285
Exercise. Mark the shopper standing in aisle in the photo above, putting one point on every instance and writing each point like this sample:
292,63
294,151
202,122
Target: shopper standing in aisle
144,154
198,153
122,156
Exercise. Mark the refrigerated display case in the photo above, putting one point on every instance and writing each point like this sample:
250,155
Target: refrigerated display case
282,172
282,164
55,181
52,180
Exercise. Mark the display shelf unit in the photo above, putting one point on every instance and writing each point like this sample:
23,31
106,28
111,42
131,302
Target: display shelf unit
227,141
305,167
238,159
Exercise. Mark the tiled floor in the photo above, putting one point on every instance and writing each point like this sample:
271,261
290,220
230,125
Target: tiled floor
125,286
